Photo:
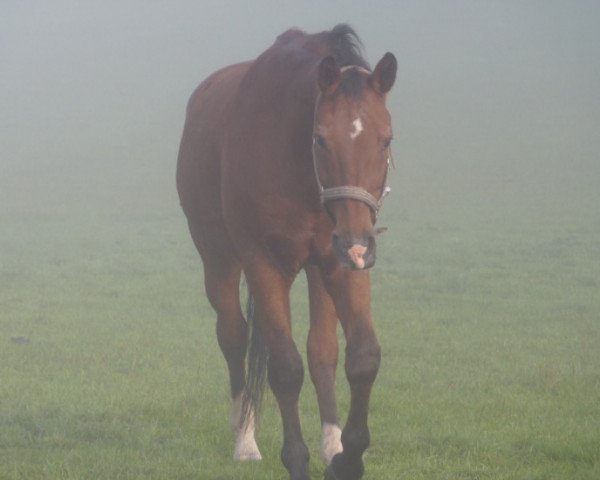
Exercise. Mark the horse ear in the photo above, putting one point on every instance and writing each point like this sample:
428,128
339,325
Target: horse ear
384,75
329,74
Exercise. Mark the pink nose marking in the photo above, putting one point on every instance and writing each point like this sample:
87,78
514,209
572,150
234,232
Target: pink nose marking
356,254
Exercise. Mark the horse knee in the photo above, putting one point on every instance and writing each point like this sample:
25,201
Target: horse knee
232,332
222,288
232,336
286,372
322,354
362,360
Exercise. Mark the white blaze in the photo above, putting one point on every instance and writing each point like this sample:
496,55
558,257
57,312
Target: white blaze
357,128
245,444
331,442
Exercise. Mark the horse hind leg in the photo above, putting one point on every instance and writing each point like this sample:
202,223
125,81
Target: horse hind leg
222,274
223,292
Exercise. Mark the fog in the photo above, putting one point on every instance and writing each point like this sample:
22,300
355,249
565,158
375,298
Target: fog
493,99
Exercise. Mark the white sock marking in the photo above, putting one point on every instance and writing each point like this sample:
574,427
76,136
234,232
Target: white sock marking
245,443
358,127
331,442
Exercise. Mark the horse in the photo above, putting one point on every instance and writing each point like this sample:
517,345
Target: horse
282,167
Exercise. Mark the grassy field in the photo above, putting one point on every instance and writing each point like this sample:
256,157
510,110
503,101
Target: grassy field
488,318
487,286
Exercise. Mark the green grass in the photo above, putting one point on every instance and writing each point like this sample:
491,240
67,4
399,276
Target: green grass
488,319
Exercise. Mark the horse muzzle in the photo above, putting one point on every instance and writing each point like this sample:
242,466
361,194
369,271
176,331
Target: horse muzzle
355,253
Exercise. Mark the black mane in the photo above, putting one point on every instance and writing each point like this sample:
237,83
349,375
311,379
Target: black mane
342,43
346,46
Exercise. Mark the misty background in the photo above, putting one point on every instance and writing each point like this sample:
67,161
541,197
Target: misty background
496,107
485,293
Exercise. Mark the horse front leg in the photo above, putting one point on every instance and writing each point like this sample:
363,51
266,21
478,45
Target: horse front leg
270,290
350,291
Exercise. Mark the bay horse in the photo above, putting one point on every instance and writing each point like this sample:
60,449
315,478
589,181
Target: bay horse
282,167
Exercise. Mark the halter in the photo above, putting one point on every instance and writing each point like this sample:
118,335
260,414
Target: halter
355,67
351,191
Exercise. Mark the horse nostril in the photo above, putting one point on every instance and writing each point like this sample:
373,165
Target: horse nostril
335,240
372,252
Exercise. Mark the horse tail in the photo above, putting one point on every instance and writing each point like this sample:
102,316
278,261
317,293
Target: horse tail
257,366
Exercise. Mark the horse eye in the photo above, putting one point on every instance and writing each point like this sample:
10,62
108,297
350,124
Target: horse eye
319,141
386,143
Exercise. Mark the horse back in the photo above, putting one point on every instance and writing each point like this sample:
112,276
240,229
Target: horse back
245,163
267,167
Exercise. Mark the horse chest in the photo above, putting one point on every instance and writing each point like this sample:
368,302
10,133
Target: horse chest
287,252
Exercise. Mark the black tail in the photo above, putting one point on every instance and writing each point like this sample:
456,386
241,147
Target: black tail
257,365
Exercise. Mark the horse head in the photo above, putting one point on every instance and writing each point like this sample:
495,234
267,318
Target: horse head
351,152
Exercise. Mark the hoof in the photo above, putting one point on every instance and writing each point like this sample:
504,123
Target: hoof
329,474
247,457
339,469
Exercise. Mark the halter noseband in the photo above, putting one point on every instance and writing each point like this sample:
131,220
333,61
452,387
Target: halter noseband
351,191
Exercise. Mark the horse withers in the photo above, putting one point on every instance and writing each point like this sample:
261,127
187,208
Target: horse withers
283,167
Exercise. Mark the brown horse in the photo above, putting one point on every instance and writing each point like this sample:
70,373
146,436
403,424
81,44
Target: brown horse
282,167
